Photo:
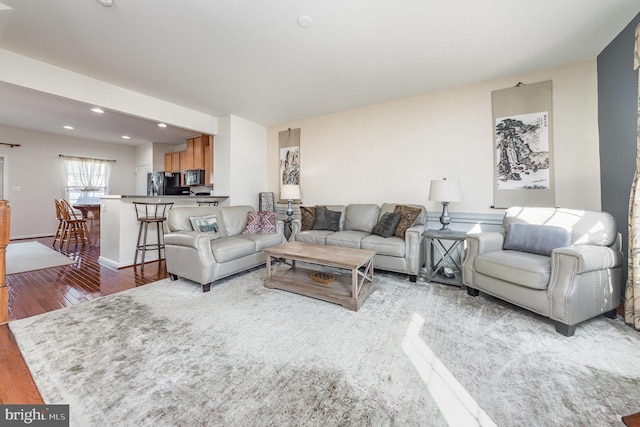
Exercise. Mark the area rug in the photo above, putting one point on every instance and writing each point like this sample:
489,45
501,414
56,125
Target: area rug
29,256
415,354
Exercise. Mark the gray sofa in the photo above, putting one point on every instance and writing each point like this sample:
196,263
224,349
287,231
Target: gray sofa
560,263
402,255
205,257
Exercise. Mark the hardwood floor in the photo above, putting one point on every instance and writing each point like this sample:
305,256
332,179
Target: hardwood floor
35,292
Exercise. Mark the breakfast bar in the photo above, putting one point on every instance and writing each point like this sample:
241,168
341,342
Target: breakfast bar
119,226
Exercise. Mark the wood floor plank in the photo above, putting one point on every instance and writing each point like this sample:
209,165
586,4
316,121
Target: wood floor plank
36,292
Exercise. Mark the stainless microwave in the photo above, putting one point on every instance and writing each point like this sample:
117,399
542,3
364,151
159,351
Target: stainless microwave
194,177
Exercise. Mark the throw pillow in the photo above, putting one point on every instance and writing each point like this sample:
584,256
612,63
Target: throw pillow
408,216
308,216
326,219
386,226
204,224
260,222
536,239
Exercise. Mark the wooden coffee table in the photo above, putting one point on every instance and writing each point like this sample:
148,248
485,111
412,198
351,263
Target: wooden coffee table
350,291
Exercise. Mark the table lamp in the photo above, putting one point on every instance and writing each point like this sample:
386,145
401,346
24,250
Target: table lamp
445,191
290,193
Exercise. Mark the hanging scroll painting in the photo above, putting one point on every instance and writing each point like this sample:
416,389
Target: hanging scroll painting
522,119
289,146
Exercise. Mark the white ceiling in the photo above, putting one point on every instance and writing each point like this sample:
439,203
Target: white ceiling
249,58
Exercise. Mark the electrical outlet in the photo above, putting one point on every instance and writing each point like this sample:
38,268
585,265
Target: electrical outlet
15,188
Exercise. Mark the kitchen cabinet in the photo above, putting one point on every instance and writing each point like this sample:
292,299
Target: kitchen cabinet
195,151
208,163
172,162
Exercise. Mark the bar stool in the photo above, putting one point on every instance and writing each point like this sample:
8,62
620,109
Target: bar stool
150,213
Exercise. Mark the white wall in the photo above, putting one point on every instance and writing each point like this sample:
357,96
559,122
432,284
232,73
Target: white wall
36,168
389,152
248,161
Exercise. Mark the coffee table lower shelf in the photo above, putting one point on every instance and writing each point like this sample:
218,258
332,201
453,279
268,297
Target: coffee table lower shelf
298,280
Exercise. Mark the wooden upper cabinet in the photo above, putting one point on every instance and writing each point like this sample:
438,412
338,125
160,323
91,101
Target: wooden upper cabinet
189,154
195,151
172,162
208,163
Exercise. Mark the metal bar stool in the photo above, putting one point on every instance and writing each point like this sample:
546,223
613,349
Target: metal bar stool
150,213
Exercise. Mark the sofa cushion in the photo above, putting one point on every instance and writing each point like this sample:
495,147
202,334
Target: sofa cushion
326,219
521,268
408,217
390,246
386,226
230,248
536,239
205,223
313,236
234,218
263,241
307,217
346,238
260,222
361,217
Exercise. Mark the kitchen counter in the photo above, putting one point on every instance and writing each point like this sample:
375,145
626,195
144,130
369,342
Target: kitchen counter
177,196
119,225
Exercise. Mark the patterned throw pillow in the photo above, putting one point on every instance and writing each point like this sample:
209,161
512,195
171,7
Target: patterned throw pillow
308,216
407,218
260,222
205,224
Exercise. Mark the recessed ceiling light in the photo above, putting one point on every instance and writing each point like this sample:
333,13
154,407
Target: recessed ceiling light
305,21
97,110
162,125
107,3
68,127
125,137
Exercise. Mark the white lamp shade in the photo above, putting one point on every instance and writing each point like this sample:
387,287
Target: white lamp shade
445,190
290,192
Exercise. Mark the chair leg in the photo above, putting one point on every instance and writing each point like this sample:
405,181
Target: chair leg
135,259
144,244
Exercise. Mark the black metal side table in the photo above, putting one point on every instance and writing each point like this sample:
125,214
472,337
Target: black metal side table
450,248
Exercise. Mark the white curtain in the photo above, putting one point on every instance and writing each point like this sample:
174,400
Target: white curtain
632,291
86,174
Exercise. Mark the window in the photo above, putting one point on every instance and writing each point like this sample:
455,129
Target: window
87,179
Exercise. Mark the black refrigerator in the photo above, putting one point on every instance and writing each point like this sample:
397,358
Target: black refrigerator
164,183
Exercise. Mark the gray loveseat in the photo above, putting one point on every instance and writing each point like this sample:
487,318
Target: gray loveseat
563,264
357,221
205,257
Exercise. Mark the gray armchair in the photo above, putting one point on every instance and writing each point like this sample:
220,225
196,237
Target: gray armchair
560,263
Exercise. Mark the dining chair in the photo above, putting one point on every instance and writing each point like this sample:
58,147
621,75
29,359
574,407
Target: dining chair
75,226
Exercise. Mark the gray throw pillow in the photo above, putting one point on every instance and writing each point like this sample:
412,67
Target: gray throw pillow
536,239
386,226
326,219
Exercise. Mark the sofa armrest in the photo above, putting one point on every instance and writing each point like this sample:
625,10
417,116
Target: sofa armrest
478,243
193,239
589,258
414,248
585,281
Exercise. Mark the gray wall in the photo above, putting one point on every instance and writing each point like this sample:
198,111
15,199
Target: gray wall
617,121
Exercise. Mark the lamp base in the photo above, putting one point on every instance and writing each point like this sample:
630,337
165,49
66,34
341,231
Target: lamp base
445,220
